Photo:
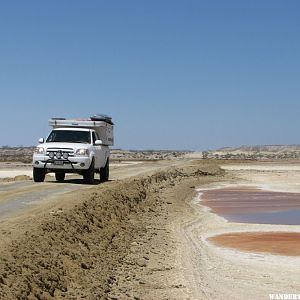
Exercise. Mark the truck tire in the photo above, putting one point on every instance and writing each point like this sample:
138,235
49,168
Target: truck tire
104,172
38,175
60,176
89,174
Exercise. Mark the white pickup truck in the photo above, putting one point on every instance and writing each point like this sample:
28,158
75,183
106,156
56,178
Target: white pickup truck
75,146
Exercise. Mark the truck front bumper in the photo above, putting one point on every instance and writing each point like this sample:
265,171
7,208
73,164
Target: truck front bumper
71,164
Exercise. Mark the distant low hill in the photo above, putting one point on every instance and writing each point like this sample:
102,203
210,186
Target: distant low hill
263,148
258,152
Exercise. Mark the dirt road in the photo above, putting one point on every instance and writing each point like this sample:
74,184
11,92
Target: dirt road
17,197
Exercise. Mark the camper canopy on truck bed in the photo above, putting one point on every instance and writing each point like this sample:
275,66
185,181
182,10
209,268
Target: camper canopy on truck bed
102,125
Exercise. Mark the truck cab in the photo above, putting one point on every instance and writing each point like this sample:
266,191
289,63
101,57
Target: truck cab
75,146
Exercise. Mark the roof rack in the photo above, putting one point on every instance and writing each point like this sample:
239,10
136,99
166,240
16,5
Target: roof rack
102,117
74,122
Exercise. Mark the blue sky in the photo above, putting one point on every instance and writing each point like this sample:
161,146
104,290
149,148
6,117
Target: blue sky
173,74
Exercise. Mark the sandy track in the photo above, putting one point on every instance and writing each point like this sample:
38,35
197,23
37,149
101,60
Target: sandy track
20,196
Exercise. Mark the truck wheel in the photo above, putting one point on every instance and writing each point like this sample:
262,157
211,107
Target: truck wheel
60,176
89,174
104,172
38,175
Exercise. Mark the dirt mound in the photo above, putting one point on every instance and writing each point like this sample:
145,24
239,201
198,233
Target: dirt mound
73,253
22,177
16,178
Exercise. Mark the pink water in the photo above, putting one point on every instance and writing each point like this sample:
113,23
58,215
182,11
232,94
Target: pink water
250,205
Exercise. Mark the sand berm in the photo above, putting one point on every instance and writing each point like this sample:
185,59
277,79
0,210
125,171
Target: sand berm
115,243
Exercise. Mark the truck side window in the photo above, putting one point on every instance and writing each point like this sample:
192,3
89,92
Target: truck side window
94,137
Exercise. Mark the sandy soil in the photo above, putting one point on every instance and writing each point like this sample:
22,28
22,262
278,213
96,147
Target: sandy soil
194,155
144,235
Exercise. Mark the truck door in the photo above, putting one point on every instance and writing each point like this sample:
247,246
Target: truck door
96,151
99,152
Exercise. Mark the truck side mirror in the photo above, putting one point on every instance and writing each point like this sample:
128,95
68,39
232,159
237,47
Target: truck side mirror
41,140
98,142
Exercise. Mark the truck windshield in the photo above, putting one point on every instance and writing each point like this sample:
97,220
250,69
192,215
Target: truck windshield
69,136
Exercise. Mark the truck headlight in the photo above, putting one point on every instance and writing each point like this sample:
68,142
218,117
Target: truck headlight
65,155
39,150
82,152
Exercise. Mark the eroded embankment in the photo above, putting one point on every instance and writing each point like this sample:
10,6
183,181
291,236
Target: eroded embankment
73,253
